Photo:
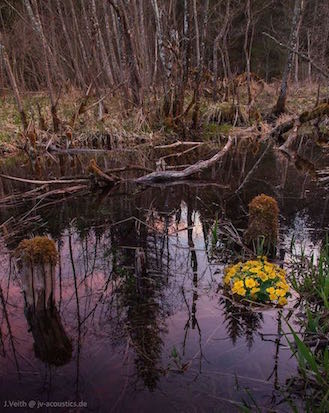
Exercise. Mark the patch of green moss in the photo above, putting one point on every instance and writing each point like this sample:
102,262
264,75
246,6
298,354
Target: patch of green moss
213,130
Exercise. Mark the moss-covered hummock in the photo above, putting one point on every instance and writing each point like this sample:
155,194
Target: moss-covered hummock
263,221
38,250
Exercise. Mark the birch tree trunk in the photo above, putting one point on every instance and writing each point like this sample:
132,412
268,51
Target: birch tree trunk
163,58
200,60
281,102
185,58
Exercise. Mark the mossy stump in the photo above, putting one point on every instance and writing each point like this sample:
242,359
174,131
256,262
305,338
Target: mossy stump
262,231
36,262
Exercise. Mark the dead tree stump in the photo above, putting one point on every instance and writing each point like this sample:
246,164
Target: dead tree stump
36,262
262,231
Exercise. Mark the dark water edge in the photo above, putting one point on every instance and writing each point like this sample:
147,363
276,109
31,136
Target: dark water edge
166,340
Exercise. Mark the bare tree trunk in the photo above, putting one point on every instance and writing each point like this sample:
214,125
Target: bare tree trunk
37,26
135,77
197,34
167,104
281,102
146,56
115,67
200,62
185,59
219,38
69,44
247,51
309,56
13,84
78,33
101,44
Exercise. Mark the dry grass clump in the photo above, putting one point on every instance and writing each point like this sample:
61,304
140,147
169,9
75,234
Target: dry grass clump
263,220
38,250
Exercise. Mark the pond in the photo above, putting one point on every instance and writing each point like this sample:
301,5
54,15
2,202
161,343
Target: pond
162,338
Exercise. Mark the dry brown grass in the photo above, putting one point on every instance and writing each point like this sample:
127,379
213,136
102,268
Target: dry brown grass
128,128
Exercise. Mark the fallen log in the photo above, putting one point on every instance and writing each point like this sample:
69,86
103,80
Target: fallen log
163,176
307,116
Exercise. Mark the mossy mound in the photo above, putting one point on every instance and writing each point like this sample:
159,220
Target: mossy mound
263,220
38,250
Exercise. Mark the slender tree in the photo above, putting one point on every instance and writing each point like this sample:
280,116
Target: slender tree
280,106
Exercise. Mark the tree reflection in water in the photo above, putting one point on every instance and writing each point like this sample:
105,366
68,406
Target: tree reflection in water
117,311
241,321
139,297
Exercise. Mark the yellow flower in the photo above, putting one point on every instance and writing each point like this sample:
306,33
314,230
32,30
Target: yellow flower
250,283
282,301
250,276
263,276
238,284
280,293
254,290
246,267
272,275
241,291
282,285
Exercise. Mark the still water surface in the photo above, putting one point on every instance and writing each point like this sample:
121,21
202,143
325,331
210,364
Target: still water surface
163,340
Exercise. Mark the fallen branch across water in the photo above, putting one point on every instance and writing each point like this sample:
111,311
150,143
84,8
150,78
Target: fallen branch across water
165,176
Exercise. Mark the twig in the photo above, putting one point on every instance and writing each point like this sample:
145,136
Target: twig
52,181
178,143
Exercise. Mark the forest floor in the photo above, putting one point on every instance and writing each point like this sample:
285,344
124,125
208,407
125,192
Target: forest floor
124,128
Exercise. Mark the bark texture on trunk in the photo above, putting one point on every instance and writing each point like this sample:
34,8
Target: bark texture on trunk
281,102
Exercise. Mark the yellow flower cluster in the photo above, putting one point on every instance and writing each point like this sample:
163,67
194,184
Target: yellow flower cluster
258,280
